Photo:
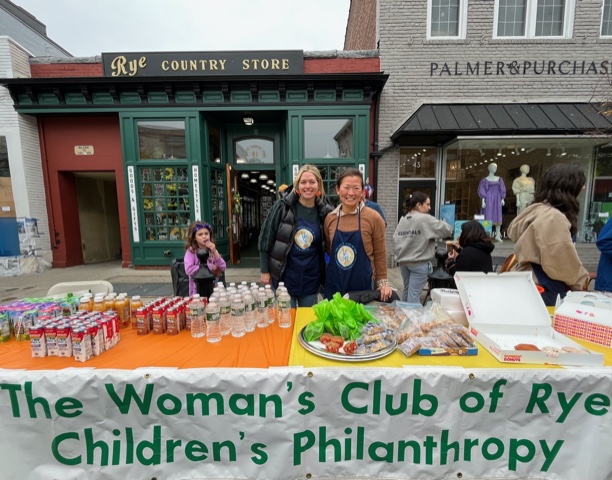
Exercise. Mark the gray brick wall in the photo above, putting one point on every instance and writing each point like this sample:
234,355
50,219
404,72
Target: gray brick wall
406,55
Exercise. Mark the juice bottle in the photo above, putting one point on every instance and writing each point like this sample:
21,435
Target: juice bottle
109,303
99,304
91,301
122,311
135,304
84,305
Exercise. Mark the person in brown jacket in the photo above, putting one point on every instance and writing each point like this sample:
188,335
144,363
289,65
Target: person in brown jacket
543,233
355,240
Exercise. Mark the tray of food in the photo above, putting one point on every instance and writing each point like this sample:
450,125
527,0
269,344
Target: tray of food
346,331
335,347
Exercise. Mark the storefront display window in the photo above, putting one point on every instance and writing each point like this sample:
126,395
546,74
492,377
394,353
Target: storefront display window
165,197
328,138
254,150
417,163
330,174
467,162
161,139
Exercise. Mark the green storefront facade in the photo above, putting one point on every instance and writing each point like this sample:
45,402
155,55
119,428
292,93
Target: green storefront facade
212,147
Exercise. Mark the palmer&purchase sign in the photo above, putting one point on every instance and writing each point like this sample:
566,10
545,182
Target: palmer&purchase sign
166,64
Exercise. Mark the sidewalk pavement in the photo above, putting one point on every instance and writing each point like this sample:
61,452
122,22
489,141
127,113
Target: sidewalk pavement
38,284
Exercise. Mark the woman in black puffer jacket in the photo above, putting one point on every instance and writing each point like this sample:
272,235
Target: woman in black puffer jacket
291,243
474,251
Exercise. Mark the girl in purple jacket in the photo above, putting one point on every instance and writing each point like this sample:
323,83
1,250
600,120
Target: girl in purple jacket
199,237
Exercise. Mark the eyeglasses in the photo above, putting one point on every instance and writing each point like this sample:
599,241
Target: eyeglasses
200,226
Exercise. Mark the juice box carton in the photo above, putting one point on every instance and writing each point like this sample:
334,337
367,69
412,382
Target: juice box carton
173,321
37,340
142,321
51,339
5,328
22,323
159,319
64,340
81,345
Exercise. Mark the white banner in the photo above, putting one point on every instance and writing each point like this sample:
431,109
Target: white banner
287,423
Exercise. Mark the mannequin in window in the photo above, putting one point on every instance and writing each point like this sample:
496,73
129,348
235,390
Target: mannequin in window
524,188
492,191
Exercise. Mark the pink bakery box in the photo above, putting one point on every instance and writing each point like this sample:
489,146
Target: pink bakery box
586,316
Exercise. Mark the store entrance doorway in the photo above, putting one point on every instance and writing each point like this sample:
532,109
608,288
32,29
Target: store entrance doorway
408,187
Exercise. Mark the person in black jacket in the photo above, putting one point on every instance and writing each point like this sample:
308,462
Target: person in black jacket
474,251
291,243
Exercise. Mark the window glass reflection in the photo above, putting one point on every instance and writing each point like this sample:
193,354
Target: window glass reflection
161,139
254,150
328,138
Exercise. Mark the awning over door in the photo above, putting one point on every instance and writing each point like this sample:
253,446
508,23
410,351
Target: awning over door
439,123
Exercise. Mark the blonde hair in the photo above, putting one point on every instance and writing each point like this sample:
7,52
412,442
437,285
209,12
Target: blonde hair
315,171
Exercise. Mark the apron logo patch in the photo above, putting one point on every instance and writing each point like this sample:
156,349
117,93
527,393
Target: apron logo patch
345,256
303,238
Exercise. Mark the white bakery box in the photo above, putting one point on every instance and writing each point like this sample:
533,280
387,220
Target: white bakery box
506,310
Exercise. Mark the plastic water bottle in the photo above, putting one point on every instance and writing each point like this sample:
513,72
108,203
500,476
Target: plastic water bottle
284,308
213,321
225,310
250,307
237,309
271,300
262,309
196,312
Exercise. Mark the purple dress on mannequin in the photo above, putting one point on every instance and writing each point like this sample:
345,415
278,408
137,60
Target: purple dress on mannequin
492,193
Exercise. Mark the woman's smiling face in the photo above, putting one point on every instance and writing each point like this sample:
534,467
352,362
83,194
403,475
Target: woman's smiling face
308,185
349,192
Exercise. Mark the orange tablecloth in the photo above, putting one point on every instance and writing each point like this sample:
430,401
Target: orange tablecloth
301,356
263,348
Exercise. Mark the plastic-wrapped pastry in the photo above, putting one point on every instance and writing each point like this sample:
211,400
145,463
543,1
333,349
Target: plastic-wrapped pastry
410,347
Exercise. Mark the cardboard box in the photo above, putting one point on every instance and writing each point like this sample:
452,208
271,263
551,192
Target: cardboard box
506,310
585,315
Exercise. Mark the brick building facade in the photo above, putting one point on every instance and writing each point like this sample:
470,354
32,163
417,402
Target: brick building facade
469,93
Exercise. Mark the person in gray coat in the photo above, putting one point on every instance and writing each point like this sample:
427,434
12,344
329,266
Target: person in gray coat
415,244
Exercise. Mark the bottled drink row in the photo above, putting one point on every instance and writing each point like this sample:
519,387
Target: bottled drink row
238,310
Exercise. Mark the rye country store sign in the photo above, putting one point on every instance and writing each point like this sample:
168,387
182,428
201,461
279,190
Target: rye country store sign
165,64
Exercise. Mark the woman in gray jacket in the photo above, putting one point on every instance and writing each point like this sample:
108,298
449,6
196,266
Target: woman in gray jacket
415,244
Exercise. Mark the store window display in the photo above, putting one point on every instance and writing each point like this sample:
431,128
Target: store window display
524,189
492,191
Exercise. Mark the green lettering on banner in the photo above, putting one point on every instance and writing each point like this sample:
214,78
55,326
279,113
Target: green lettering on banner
536,400
204,400
55,447
261,455
566,406
217,450
64,406
152,447
124,404
515,456
344,399
175,401
597,400
196,451
305,400
417,397
550,454
13,388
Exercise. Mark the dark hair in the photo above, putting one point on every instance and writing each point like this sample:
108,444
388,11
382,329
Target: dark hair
191,234
349,172
413,200
559,187
472,232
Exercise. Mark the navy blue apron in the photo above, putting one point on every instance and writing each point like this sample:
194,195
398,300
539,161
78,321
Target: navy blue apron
349,267
302,275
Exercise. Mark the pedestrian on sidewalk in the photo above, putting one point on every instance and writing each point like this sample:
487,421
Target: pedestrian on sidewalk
603,283
543,233
473,252
415,244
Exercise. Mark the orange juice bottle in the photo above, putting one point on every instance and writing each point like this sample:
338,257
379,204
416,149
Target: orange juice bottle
99,304
121,306
109,303
84,305
135,304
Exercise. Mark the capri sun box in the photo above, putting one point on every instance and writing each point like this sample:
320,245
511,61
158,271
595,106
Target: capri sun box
585,315
505,310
